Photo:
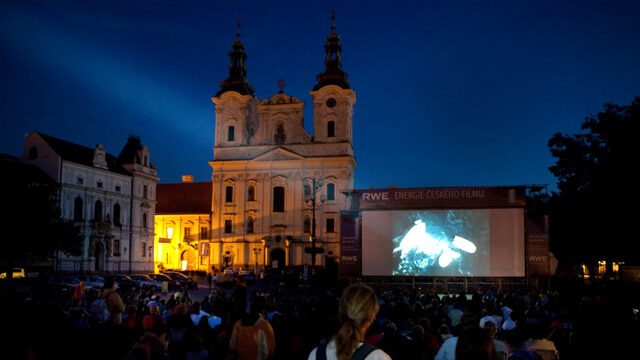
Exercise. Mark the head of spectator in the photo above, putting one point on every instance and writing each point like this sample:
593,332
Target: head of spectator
109,283
357,309
153,324
490,327
154,310
475,344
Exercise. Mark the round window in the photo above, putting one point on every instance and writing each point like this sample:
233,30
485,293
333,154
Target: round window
331,102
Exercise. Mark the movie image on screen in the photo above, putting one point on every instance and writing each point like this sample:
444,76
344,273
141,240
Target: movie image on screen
444,242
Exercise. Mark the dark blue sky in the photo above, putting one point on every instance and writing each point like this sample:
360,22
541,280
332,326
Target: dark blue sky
449,93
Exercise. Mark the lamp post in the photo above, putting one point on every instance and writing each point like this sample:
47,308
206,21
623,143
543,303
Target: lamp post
313,250
257,252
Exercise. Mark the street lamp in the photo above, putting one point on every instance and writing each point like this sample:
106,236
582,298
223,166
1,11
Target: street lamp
311,199
257,252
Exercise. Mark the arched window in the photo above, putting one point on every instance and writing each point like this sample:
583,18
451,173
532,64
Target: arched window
145,191
116,214
331,129
77,209
278,199
306,225
251,193
280,136
144,220
33,153
146,160
331,191
97,211
306,188
231,133
250,223
228,194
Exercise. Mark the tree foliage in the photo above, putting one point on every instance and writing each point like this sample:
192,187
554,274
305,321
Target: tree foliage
592,214
32,227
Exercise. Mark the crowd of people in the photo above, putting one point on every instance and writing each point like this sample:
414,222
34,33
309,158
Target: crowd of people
282,323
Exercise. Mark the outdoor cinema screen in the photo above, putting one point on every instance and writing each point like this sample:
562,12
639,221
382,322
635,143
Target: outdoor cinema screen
454,242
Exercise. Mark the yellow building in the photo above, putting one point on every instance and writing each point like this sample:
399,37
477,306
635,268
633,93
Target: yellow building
182,225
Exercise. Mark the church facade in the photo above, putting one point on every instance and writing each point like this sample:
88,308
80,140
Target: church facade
274,185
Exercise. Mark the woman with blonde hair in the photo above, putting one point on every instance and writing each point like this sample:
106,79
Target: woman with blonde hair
356,311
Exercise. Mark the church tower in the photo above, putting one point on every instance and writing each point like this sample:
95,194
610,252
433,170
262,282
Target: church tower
236,118
333,99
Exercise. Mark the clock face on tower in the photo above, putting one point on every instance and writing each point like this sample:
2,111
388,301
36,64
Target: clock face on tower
331,102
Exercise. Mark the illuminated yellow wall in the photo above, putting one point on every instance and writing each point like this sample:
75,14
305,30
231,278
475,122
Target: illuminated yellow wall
182,252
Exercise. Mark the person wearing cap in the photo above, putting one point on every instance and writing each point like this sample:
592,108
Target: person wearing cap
152,345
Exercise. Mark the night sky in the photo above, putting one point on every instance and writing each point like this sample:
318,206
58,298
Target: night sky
448,93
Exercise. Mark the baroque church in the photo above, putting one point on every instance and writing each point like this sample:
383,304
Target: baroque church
273,185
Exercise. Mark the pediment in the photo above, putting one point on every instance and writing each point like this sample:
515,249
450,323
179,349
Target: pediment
278,154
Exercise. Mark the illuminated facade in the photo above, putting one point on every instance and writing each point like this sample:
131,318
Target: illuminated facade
111,199
266,164
182,224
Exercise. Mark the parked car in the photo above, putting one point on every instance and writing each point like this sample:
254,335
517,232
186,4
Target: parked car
230,271
245,272
147,281
162,277
92,281
124,282
17,273
183,279
63,282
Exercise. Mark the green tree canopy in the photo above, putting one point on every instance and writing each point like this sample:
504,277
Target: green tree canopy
593,211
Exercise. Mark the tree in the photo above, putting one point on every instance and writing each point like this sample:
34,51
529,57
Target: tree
590,212
30,216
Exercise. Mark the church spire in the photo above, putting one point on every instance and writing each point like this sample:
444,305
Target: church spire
237,80
332,74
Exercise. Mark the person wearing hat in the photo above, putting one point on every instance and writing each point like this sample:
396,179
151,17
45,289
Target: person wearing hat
152,345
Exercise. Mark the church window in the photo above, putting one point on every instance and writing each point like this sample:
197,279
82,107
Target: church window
278,199
97,211
145,191
146,160
33,153
144,220
330,225
331,129
306,225
228,194
250,223
231,133
143,249
331,192
251,193
307,191
227,227
77,209
116,248
280,136
116,214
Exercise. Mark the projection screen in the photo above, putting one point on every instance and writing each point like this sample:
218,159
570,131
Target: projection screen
453,242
